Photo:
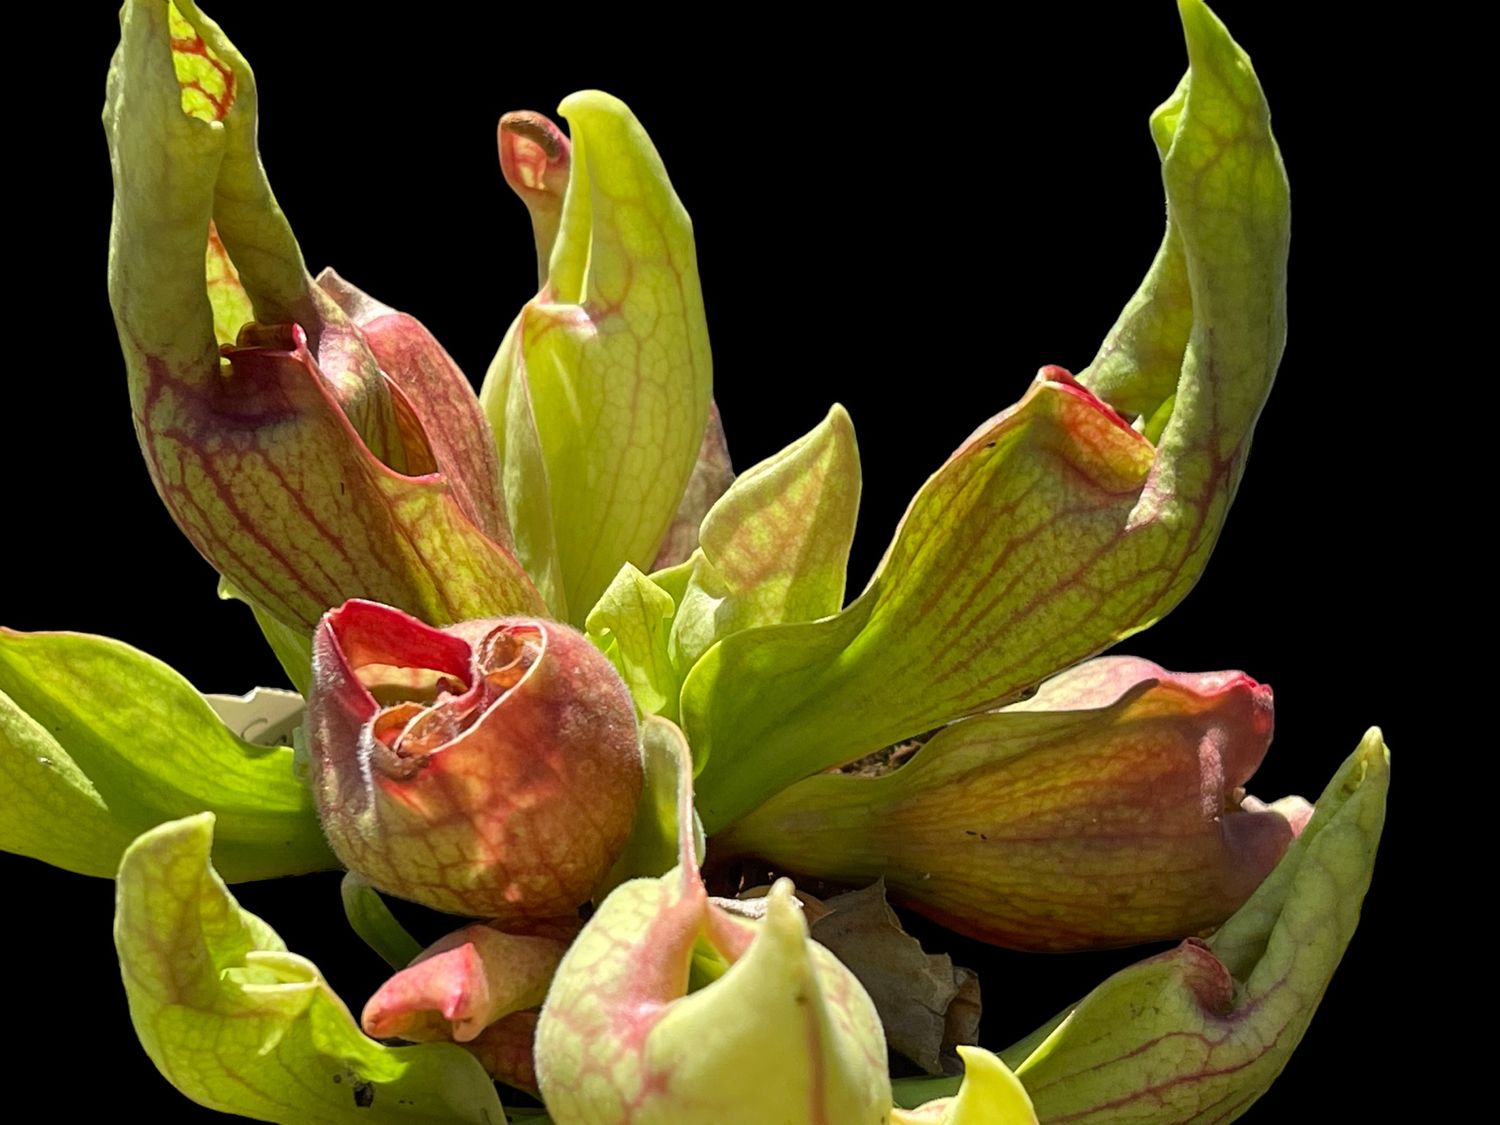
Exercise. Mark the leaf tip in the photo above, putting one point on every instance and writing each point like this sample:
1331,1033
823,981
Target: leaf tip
585,103
188,835
1372,761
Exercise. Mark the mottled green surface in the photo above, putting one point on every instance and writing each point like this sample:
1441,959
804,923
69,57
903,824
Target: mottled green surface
599,395
239,1024
100,741
632,625
1197,1034
300,469
1111,820
1056,529
775,547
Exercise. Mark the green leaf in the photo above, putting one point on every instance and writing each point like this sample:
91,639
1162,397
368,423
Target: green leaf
989,1094
674,579
1057,529
372,920
653,847
302,468
52,810
631,625
226,293
239,1024
1196,348
104,742
1198,1033
506,398
614,356
775,547
1110,815
292,646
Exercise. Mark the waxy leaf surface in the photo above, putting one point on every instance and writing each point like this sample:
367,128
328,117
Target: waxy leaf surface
303,471
100,742
775,547
505,1050
632,625
453,426
652,848
1057,528
621,1038
988,1095
1197,1034
241,1025
535,157
599,396
1114,819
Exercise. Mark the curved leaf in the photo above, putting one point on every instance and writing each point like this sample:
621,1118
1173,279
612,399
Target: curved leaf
631,624
988,1095
1115,819
534,158
453,427
469,980
1057,528
614,356
1199,1033
652,849
303,472
240,1025
104,742
48,790
372,920
775,547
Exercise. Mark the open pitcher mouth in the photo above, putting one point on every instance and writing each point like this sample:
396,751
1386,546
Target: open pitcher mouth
567,678
413,730
430,687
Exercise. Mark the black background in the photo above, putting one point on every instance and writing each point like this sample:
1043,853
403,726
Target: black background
908,217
